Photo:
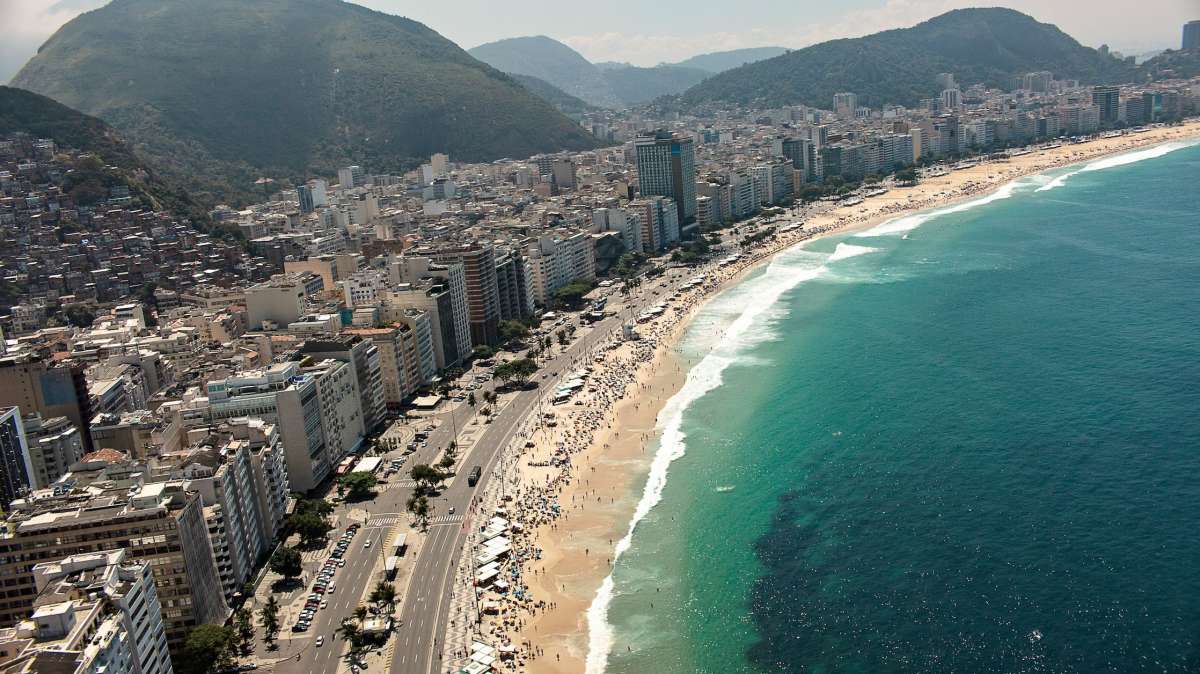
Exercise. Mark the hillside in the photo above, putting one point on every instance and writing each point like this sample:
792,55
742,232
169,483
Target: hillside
634,86
901,66
550,60
223,91
1171,64
561,100
720,61
41,117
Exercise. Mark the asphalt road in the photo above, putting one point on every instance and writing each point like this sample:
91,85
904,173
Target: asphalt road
424,609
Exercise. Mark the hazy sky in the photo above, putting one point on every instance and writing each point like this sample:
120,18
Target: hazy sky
646,33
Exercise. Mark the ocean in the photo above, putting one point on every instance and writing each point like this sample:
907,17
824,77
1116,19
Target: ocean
963,441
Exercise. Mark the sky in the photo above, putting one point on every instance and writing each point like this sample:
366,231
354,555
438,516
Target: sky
648,33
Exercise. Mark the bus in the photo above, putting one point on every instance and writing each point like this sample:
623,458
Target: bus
473,477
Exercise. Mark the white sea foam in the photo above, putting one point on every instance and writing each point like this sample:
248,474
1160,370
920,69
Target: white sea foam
1058,181
1119,160
911,222
758,298
1137,155
845,250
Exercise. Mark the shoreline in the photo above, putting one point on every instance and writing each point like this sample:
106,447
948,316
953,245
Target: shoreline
560,574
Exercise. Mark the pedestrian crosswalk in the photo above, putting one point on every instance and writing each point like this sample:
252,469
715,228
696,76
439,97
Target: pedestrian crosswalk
445,519
384,520
397,484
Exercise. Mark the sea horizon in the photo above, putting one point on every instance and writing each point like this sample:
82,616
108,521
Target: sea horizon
737,346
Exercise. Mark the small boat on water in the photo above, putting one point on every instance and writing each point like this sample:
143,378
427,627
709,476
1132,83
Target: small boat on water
725,488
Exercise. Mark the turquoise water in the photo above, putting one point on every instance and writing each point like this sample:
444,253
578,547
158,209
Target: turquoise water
962,443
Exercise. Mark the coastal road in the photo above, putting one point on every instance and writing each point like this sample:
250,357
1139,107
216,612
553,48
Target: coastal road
425,612
425,608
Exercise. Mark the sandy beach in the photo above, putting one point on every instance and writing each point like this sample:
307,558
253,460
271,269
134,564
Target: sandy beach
575,472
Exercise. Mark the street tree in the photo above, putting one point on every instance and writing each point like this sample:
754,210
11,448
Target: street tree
384,596
268,619
207,649
359,485
420,509
287,563
243,623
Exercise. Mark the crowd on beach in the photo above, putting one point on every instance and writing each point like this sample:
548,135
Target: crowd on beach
531,480
530,486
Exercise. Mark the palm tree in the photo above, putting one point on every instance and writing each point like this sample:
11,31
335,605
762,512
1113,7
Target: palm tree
360,613
384,596
350,632
269,619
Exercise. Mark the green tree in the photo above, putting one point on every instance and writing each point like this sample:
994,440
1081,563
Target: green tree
244,631
359,485
419,506
483,352
287,563
471,399
350,633
206,649
384,596
512,332
311,527
571,295
427,476
268,619
519,370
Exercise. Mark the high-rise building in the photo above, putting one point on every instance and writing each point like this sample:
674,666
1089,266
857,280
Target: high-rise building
49,388
514,286
127,585
478,261
1191,35
845,105
440,163
440,290
351,176
1038,82
304,195
659,221
798,151
1108,100
317,409
951,99
161,524
318,189
363,355
54,444
16,469
558,261
667,168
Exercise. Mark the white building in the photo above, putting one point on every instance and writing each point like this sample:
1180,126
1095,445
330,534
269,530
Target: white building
131,639
557,261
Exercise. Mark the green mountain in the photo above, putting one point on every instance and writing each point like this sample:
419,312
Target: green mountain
635,86
550,60
561,100
41,117
901,66
1171,64
720,61
224,91
606,85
